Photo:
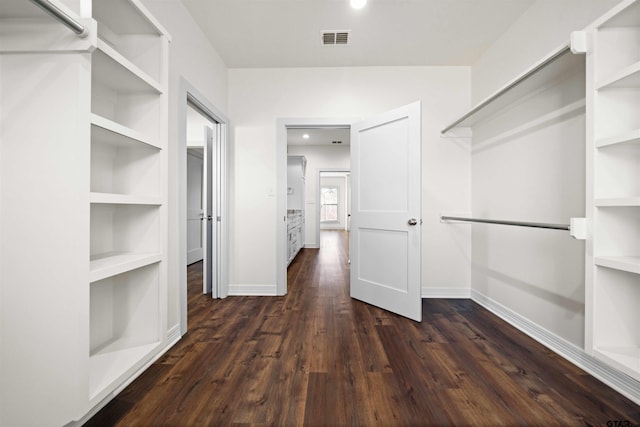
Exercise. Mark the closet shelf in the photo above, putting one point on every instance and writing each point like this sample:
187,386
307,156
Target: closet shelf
617,201
110,264
631,137
115,71
630,264
124,199
628,77
127,17
551,68
109,131
114,360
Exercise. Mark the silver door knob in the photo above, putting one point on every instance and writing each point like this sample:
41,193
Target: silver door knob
412,221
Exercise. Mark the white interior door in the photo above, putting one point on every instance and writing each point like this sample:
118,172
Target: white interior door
385,215
209,282
195,209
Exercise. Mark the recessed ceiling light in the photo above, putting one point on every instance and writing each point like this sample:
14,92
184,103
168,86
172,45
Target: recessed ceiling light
358,4
305,136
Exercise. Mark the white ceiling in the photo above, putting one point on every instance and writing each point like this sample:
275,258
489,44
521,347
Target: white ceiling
286,33
319,136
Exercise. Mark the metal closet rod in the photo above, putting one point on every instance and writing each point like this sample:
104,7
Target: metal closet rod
565,227
63,17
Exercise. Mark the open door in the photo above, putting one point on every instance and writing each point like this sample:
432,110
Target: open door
385,213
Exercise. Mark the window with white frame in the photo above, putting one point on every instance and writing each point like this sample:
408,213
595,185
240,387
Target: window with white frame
329,204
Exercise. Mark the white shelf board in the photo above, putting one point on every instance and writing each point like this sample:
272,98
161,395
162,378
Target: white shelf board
627,77
552,67
109,131
630,137
626,359
617,201
113,361
124,199
630,264
115,71
127,17
104,265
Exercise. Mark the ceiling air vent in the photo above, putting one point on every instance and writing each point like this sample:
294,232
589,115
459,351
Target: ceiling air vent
340,37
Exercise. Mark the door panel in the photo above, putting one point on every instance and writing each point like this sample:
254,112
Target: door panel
385,222
195,212
386,189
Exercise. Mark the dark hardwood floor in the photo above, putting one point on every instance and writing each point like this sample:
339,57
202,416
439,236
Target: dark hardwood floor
317,357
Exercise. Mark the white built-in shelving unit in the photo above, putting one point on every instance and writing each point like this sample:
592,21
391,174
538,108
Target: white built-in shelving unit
613,258
128,185
86,118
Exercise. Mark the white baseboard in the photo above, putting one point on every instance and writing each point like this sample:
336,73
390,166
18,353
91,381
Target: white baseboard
446,293
312,246
615,379
253,290
173,336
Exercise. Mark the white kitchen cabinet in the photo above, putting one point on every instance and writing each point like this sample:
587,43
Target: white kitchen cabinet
296,170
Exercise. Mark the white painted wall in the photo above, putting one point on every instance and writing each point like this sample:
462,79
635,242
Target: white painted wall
258,97
545,26
193,58
318,157
44,231
537,175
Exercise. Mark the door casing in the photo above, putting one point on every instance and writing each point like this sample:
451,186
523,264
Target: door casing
282,125
189,94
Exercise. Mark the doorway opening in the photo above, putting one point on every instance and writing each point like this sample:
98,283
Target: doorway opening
202,170
385,249
325,145
334,201
202,243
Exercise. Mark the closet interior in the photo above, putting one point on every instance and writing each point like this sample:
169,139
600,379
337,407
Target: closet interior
575,118
555,202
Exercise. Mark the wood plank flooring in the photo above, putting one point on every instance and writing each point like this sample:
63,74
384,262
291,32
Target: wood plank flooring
317,357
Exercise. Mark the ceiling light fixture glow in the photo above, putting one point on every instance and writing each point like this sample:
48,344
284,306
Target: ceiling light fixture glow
305,136
358,4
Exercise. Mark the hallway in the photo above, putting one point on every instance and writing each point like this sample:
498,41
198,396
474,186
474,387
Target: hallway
317,357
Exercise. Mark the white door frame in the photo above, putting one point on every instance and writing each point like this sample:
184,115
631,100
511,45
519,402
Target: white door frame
188,93
282,125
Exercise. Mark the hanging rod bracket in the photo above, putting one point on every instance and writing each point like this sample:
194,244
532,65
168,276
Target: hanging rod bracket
578,228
